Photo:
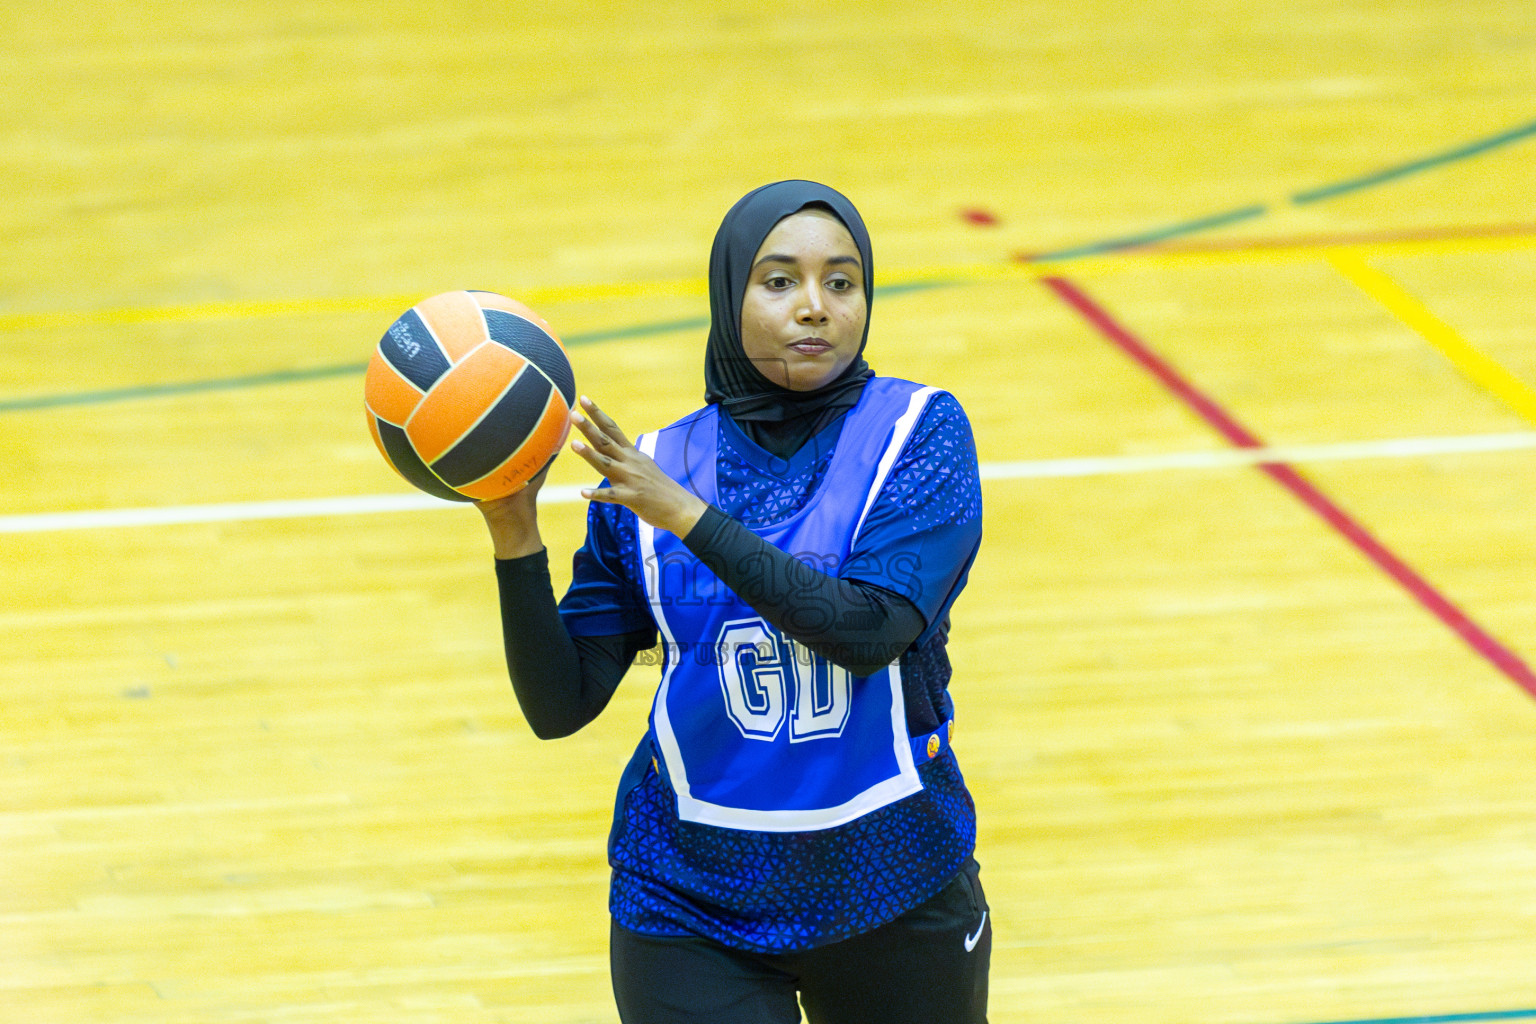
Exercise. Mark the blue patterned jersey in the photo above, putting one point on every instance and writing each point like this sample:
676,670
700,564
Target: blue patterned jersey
778,890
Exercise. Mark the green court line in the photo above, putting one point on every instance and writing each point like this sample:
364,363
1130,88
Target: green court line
1450,1018
1450,156
1188,227
294,376
638,331
1375,178
907,287
349,369
190,387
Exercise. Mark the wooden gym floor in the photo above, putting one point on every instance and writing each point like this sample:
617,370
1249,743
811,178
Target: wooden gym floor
1238,297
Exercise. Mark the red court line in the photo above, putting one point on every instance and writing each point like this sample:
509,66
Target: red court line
1501,657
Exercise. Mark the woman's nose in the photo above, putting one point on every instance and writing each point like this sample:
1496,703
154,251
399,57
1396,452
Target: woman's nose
814,308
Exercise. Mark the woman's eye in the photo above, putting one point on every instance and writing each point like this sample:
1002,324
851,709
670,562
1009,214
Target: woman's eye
778,281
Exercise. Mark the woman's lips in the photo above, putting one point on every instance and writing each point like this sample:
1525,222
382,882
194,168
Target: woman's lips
811,346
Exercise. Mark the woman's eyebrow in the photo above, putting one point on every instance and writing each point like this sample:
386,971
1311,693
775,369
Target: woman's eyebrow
774,257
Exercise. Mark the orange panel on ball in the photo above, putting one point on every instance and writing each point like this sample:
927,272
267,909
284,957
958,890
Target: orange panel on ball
455,321
458,401
387,394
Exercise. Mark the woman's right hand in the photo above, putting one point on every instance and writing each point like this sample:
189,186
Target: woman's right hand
513,520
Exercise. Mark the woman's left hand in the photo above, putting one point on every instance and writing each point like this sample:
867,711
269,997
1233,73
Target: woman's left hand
634,480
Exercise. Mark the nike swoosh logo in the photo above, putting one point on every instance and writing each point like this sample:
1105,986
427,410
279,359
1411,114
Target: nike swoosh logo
971,940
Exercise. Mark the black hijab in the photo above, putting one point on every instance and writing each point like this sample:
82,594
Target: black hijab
778,419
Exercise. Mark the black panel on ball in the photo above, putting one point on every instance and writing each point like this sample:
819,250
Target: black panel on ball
409,347
529,341
500,433
404,458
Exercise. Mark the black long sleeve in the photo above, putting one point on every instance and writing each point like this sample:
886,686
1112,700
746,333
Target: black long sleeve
562,682
856,625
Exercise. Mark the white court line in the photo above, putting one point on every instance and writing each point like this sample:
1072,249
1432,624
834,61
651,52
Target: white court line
1222,458
1110,465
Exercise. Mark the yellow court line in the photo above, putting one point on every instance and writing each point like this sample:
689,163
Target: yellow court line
267,308
1473,364
1255,253
200,312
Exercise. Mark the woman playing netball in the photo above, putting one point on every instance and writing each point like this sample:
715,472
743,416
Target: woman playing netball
793,829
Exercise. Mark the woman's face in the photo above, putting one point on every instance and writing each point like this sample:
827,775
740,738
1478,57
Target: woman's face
803,314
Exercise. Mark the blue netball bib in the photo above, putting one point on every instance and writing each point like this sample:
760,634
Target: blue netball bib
755,730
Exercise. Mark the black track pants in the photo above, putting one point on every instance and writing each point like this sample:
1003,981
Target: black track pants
928,966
